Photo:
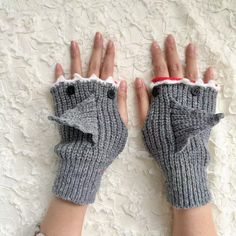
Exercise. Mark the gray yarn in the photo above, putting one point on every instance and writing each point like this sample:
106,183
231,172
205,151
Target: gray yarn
176,133
92,135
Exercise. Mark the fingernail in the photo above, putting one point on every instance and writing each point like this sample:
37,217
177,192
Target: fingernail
123,85
110,44
73,48
72,44
170,38
155,45
58,66
192,48
97,39
139,83
98,35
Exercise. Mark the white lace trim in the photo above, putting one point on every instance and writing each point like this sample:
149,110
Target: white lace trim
198,82
93,77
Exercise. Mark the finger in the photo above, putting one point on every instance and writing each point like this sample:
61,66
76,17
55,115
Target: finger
209,74
191,70
96,57
76,66
58,71
122,101
108,63
158,61
143,99
173,61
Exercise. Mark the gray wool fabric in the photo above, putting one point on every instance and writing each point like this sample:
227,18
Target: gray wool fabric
92,135
176,133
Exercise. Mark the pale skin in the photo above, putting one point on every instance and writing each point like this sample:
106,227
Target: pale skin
186,222
64,218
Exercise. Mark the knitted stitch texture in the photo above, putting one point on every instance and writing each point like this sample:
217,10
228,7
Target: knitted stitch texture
92,135
176,133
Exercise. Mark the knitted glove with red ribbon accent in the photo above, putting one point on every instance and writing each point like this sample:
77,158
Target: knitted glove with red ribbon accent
176,132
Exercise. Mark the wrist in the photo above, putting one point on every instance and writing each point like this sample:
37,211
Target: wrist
187,187
78,180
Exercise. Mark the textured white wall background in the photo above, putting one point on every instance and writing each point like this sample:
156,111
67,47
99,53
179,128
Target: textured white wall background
131,202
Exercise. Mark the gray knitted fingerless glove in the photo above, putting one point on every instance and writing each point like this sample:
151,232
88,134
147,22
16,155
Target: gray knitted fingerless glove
176,132
92,135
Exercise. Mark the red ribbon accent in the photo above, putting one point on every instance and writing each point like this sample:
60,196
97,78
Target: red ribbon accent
157,79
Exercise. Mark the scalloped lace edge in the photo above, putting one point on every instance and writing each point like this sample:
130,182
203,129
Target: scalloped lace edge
93,77
199,82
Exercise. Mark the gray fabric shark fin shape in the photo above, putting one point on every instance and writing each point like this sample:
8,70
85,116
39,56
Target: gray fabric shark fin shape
82,117
188,122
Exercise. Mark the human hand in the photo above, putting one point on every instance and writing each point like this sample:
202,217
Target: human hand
92,115
177,125
168,64
102,68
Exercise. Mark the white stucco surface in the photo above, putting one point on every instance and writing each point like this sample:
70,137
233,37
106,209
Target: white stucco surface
34,35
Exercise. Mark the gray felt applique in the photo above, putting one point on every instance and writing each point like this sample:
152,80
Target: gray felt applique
82,117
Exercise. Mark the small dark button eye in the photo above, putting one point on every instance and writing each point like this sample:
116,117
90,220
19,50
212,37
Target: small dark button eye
90,138
195,91
111,94
70,90
155,91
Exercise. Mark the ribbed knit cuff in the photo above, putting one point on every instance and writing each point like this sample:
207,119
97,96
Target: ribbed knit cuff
187,185
78,180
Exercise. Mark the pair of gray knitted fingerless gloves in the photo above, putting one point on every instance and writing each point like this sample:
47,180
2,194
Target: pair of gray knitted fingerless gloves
92,133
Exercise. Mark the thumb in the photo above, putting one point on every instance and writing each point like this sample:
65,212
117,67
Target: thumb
122,101
143,99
